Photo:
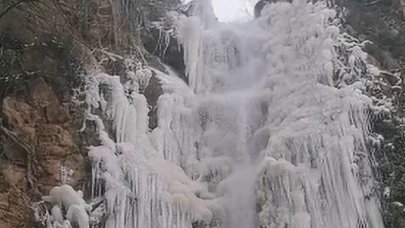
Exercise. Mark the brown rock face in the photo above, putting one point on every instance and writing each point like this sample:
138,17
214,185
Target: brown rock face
39,140
43,43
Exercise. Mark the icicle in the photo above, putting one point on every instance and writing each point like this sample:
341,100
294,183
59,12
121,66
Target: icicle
274,116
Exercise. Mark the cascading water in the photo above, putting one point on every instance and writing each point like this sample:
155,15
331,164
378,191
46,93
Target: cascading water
271,130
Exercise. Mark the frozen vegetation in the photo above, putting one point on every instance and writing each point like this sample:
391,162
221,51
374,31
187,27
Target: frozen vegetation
271,130
68,208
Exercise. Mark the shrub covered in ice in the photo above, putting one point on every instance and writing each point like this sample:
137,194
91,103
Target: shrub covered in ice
65,198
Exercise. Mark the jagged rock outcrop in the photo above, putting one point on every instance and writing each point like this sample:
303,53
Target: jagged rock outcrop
48,131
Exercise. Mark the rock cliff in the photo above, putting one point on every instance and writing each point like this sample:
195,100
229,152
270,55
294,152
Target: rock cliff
45,46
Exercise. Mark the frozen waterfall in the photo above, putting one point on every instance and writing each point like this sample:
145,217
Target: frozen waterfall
270,131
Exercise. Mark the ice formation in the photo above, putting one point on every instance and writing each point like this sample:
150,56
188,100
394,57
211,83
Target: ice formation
67,199
269,132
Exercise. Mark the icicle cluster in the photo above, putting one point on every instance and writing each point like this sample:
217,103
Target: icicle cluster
274,116
139,172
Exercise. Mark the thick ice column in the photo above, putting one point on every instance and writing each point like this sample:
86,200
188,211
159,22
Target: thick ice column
176,133
205,12
208,55
129,115
190,34
283,196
